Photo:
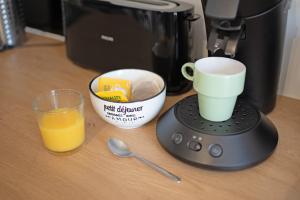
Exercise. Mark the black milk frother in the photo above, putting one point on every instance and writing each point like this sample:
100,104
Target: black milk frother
246,139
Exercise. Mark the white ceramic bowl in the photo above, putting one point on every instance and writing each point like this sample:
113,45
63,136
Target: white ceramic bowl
130,114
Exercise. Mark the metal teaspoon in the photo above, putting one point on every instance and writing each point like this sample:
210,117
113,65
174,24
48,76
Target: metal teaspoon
119,148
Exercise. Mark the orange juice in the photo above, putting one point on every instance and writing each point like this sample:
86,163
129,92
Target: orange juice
62,129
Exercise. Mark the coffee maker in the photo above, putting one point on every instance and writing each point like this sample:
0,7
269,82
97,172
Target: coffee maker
251,31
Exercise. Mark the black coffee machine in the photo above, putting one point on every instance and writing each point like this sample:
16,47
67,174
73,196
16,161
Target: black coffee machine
251,31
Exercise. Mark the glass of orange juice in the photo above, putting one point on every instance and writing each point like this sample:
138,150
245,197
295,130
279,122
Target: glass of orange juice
60,118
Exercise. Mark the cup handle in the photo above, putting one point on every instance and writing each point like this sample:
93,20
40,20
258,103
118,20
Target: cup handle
184,72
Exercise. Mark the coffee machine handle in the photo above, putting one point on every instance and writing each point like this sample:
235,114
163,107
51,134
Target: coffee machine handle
222,9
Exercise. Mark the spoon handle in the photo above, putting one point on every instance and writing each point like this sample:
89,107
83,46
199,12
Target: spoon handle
158,168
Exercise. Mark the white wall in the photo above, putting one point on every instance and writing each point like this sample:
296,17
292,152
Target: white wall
289,84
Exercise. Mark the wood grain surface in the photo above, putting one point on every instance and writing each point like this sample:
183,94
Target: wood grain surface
28,171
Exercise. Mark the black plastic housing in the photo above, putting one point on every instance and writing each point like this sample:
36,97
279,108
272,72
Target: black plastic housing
104,36
260,48
44,14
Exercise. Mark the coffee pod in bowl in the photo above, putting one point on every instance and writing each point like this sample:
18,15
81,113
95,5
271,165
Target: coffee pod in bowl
218,82
148,93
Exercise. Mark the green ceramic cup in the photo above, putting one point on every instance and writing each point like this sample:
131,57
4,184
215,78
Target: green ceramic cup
218,82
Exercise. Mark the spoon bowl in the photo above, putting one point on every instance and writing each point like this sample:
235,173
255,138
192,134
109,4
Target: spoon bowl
118,147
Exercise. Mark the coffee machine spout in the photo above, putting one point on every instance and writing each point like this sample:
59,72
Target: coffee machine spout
215,43
227,41
232,43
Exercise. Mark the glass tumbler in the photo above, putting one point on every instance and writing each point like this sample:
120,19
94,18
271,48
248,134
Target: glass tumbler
60,118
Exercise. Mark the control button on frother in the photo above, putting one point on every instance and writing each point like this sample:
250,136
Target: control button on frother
177,138
195,146
215,150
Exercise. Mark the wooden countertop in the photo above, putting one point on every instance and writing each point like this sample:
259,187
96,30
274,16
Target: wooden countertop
28,171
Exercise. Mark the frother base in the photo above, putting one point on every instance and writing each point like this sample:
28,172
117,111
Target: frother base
244,140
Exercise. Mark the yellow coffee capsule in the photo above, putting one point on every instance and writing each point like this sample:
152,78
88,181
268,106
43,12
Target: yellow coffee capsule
115,96
115,84
121,87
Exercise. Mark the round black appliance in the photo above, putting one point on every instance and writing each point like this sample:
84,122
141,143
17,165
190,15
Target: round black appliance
244,140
